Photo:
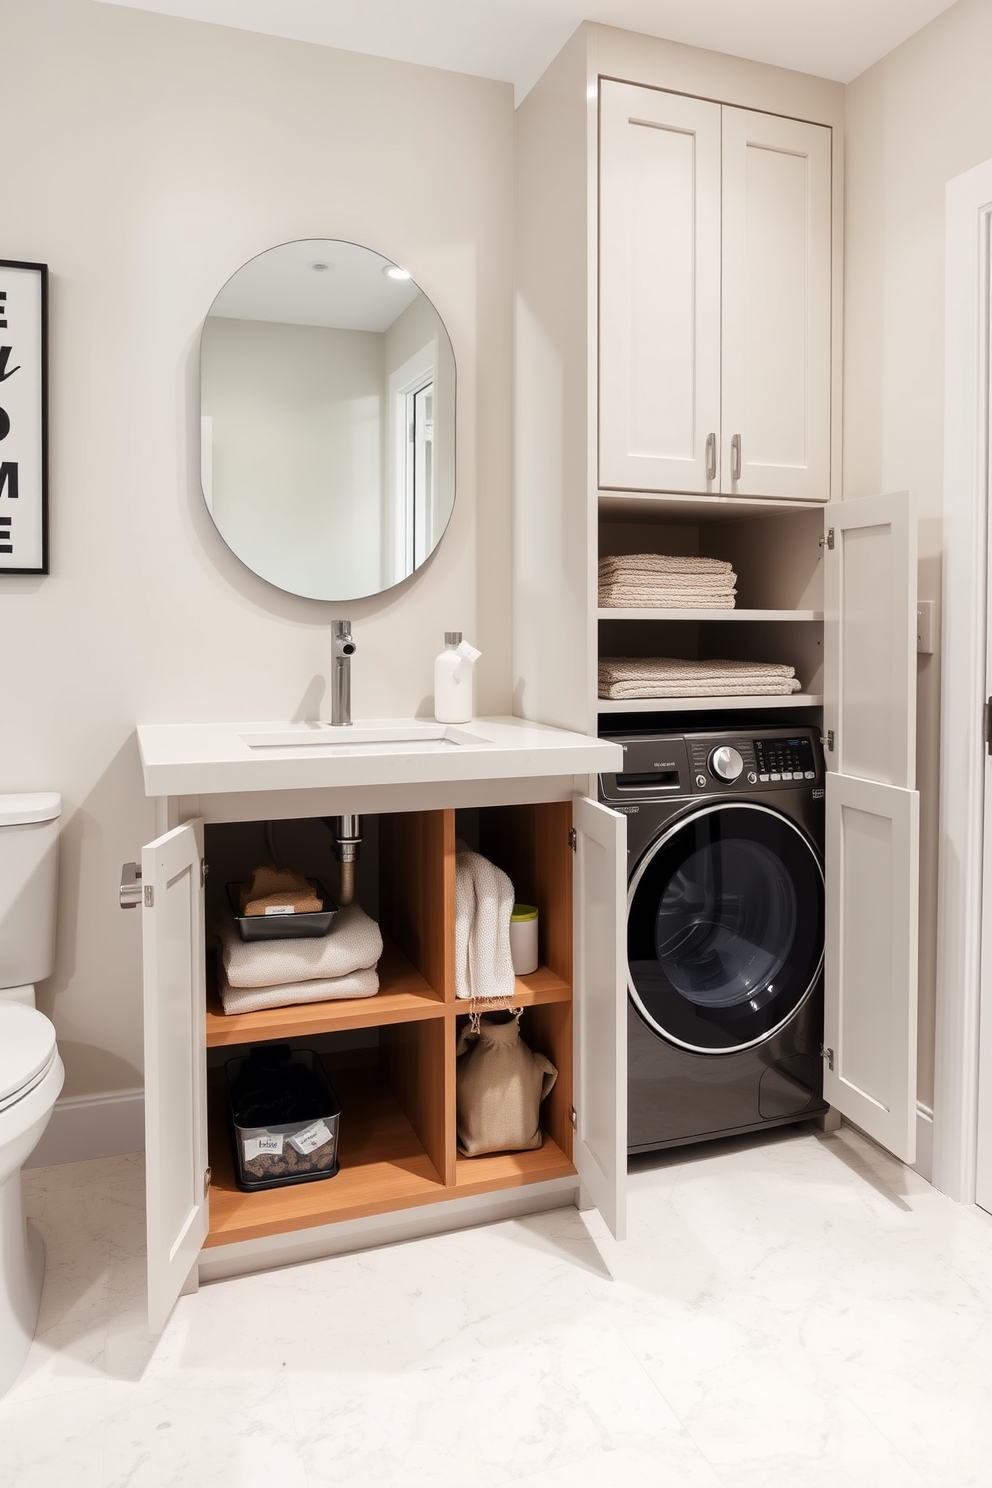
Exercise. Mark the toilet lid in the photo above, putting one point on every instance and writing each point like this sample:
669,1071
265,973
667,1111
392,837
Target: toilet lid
27,1049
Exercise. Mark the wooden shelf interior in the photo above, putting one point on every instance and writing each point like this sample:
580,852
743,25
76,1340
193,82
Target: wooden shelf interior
398,1143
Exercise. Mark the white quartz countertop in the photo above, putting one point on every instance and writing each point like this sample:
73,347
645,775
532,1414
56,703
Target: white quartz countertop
189,759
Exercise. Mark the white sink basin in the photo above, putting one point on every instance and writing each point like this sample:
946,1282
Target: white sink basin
401,736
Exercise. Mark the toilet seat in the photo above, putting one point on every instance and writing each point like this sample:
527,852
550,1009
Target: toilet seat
27,1051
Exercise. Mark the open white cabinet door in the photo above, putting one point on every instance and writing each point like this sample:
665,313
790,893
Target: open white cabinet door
872,839
599,1149
176,1172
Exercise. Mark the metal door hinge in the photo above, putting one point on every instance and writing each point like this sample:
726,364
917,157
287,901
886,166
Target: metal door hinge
987,726
207,1174
827,740
828,1055
204,870
130,889
573,840
573,1118
828,541
149,897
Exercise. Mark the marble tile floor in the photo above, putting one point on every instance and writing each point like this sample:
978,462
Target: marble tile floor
797,1311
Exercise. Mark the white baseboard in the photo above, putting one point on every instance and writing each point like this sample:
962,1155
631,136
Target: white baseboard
924,1142
86,1126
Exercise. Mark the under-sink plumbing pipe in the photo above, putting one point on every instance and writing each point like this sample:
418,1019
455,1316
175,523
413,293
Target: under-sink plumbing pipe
347,840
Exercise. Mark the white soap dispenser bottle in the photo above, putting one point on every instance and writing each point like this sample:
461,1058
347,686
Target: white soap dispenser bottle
453,679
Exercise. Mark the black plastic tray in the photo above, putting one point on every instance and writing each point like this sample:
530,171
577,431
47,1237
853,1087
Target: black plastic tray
286,926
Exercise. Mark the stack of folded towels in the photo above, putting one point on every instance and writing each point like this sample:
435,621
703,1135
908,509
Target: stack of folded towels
276,973
662,581
483,906
666,676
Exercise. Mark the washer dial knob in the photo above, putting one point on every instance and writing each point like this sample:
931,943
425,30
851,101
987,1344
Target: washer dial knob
726,762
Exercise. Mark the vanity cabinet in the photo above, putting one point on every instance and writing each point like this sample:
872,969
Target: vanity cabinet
391,1057
714,297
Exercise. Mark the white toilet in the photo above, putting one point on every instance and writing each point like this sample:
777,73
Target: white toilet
31,1072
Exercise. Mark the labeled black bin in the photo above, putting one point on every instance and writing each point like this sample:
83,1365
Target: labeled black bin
284,1117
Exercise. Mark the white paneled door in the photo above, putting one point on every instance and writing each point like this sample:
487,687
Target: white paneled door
176,1163
872,839
599,1007
659,290
775,438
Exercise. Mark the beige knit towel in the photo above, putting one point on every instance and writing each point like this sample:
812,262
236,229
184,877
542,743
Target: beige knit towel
483,906
254,999
663,676
663,563
353,943
500,1085
278,888
625,594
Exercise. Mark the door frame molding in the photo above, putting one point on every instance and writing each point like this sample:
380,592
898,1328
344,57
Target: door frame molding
968,213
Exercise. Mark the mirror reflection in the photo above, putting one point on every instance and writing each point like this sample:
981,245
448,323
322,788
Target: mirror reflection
327,401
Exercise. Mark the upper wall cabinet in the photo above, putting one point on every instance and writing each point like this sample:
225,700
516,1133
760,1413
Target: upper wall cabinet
714,298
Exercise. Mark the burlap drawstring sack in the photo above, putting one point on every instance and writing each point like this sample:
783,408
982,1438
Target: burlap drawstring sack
500,1086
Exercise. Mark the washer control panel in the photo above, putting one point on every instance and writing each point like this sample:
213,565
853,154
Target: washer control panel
657,766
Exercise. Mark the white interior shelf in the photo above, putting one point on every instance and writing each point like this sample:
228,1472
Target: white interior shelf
709,704
719,615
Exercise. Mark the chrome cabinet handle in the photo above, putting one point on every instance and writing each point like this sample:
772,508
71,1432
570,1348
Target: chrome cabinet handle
711,457
735,458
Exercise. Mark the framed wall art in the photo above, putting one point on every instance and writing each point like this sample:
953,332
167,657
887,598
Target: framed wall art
23,417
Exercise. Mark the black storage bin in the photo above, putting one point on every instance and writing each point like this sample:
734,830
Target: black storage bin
283,926
284,1117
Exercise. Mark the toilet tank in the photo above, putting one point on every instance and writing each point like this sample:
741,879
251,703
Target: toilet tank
29,838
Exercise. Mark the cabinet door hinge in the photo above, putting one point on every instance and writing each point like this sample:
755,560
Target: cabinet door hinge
828,1055
827,740
204,870
149,897
987,726
573,840
573,1118
207,1175
828,540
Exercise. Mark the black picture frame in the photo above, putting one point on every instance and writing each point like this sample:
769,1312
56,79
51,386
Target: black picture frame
24,538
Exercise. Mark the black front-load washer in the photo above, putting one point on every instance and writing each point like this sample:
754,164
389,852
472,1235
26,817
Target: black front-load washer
724,931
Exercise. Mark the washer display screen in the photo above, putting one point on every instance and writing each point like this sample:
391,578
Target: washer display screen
724,928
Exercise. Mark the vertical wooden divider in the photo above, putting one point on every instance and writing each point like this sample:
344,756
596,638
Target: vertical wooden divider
417,912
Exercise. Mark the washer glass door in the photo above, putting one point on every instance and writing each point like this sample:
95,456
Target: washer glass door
724,928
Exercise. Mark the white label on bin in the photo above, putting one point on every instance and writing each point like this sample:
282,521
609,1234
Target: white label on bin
310,1138
279,909
270,1146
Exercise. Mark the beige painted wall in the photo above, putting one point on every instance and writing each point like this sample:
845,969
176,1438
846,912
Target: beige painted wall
915,120
145,159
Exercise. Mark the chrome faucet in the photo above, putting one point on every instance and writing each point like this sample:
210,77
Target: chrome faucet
344,650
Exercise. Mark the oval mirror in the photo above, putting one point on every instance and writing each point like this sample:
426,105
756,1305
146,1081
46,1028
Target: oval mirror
327,403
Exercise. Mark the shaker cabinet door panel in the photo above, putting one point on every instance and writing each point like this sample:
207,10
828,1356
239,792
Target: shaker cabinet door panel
600,1009
659,291
175,1059
869,637
870,959
776,306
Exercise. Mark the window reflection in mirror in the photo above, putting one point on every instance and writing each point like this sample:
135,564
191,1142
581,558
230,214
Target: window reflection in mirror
327,400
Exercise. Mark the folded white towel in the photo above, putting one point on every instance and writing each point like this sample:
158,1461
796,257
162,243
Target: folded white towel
662,563
353,943
254,999
483,906
664,676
